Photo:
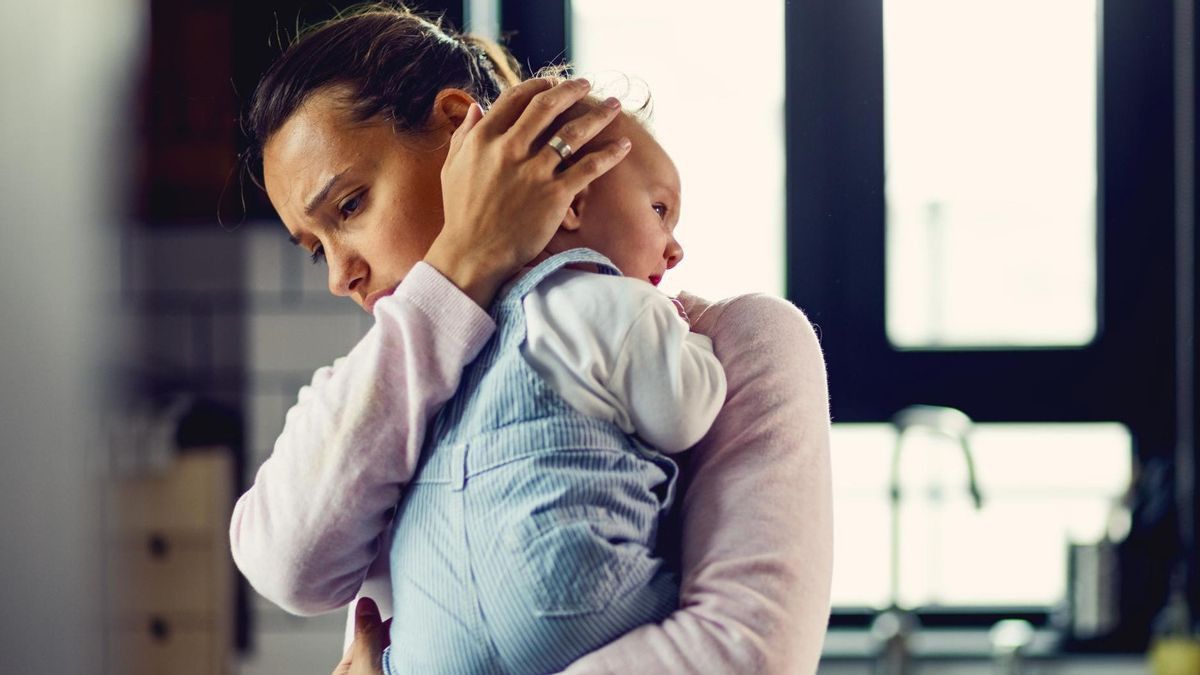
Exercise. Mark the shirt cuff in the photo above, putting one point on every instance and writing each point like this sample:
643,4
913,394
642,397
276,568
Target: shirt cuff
451,311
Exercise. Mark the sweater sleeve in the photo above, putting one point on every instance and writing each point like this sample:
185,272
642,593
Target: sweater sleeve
757,533
307,530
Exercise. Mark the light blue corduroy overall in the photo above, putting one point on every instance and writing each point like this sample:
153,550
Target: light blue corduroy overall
527,537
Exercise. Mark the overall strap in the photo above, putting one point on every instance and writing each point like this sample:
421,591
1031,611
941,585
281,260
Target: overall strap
522,287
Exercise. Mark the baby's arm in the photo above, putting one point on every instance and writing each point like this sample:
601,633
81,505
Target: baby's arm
305,533
666,377
617,349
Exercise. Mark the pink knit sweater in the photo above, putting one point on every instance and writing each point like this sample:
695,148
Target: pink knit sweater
757,541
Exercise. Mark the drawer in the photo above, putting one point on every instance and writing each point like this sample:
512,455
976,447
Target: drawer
168,572
154,644
194,494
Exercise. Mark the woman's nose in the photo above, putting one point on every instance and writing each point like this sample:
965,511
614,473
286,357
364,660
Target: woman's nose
345,273
673,253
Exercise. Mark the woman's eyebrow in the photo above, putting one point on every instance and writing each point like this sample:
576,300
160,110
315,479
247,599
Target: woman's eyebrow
323,193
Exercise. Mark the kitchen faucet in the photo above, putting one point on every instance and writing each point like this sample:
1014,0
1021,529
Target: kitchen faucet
893,629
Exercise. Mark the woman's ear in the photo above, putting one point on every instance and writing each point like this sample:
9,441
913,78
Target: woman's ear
450,107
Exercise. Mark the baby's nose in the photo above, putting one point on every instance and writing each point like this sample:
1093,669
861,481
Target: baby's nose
673,253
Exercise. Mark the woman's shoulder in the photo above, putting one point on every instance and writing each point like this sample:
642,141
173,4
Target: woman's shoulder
755,318
770,350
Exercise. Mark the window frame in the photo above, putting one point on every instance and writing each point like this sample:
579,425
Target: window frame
836,257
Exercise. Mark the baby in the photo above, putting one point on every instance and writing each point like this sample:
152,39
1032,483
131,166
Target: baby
527,537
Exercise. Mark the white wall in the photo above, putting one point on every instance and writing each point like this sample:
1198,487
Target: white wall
65,71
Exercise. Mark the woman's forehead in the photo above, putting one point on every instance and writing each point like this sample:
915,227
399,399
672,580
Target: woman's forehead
317,131
316,143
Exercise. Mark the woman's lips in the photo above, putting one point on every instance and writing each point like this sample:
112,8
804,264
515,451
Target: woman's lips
369,302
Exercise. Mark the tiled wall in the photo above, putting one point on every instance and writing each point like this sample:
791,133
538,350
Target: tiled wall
240,316
181,293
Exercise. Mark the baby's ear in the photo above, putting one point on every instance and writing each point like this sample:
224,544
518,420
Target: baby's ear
572,222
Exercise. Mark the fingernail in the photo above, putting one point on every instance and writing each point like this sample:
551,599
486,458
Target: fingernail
365,607
625,143
582,82
612,102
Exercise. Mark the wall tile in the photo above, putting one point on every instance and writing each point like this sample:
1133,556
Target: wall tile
167,342
270,618
226,339
299,341
198,258
289,644
266,246
293,652
314,279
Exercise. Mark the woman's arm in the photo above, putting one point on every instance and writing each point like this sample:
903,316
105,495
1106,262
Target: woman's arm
305,533
757,516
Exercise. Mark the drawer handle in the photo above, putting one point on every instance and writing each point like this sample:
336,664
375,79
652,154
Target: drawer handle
160,629
158,546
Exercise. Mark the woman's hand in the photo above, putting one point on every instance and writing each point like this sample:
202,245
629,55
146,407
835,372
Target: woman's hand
365,656
503,194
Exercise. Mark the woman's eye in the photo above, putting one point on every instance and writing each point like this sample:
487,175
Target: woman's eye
663,212
318,254
350,205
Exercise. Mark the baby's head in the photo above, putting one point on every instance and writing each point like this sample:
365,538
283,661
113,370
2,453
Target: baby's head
628,214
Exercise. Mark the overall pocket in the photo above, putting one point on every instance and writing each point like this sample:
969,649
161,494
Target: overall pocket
577,558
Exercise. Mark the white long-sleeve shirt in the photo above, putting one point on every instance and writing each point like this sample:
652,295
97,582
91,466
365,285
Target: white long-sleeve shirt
617,349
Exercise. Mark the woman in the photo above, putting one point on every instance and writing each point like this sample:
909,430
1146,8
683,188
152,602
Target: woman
361,127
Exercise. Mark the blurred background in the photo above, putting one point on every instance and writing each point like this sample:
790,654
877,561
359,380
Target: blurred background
986,207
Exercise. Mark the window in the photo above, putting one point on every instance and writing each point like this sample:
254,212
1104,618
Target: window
1043,486
1034,294
990,147
719,117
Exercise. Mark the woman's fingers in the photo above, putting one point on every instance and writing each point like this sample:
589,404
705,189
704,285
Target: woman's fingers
474,114
511,102
593,165
543,108
365,655
578,131
501,202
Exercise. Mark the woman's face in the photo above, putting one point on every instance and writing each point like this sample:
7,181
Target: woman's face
364,198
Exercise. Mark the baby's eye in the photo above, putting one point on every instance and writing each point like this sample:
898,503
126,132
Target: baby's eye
350,205
663,212
318,254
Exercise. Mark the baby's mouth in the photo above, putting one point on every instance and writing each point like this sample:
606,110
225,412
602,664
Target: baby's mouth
655,279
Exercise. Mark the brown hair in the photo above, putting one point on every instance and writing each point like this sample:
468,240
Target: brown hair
394,62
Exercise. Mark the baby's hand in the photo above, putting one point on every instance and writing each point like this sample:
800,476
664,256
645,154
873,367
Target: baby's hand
682,312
